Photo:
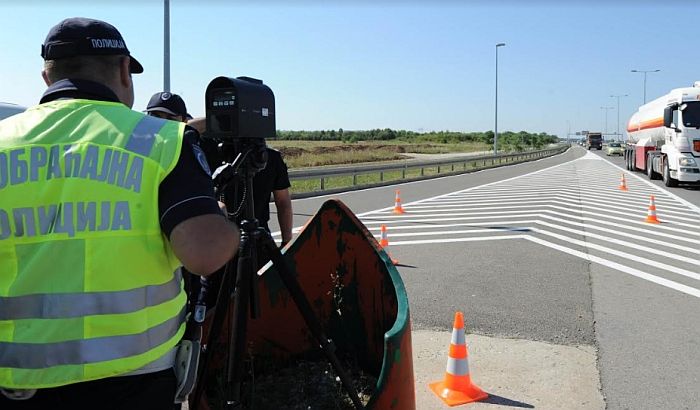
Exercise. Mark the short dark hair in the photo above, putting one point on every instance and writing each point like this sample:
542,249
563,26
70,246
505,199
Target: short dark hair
98,68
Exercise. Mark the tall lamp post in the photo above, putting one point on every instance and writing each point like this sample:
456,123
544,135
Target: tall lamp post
645,80
606,119
495,132
618,135
166,45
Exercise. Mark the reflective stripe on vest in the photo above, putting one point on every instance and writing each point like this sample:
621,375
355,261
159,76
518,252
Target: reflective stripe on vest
88,287
142,137
39,356
67,305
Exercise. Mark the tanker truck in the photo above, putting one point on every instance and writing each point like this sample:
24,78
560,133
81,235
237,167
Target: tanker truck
663,137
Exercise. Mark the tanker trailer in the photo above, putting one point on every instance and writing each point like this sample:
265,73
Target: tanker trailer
663,137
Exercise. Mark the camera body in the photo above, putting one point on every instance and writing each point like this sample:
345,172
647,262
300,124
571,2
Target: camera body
239,108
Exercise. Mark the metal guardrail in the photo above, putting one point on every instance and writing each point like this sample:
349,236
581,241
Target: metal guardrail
408,170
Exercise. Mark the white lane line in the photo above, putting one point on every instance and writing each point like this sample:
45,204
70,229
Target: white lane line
567,199
487,215
666,223
454,240
518,229
526,225
584,192
525,189
668,244
622,268
635,258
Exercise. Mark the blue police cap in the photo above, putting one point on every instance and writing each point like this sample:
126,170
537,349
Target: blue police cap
83,36
168,103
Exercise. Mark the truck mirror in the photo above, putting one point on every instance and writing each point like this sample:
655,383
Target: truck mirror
668,117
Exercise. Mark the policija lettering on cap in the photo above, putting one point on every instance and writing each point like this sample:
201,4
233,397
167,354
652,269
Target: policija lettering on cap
80,36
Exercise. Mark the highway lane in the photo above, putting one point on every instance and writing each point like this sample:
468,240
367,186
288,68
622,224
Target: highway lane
554,251
649,336
689,193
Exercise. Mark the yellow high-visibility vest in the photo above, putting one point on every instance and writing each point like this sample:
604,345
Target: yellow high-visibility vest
88,282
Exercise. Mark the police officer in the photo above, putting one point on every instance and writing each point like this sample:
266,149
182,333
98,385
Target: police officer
270,182
99,205
168,106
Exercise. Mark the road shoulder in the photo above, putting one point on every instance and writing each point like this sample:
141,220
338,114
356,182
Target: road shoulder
516,373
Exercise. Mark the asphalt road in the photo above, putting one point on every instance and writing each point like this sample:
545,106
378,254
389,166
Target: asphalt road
553,251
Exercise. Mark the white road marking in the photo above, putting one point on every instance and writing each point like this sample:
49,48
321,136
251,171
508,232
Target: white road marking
577,202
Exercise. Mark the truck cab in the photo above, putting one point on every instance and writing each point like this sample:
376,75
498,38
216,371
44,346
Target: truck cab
594,140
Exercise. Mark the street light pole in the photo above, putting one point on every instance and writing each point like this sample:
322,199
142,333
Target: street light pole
617,133
645,80
495,132
166,45
606,119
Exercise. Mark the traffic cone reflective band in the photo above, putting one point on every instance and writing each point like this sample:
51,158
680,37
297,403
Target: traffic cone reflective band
457,388
398,209
384,239
651,213
623,183
384,242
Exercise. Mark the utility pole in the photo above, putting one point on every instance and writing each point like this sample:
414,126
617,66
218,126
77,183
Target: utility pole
618,135
645,80
495,127
606,119
166,45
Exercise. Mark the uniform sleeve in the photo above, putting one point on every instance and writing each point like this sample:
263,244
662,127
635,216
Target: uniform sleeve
188,190
281,176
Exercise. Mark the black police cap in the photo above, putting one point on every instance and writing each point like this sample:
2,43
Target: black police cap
79,36
168,103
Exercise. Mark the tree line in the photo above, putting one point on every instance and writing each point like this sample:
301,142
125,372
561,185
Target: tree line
507,138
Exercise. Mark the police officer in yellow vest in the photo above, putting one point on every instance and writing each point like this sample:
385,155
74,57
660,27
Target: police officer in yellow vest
99,205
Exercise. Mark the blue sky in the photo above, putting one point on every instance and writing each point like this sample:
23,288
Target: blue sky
414,65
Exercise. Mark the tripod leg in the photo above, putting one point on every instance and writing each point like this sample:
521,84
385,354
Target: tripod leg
214,331
239,319
307,313
239,322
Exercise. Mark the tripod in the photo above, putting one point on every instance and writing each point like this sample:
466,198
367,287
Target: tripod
243,289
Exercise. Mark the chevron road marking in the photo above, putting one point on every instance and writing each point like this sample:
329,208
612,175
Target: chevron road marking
574,203
692,261
622,268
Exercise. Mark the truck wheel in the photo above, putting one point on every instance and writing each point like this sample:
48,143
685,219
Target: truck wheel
668,181
650,171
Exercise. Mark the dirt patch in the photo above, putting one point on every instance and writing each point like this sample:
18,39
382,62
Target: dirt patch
297,385
310,385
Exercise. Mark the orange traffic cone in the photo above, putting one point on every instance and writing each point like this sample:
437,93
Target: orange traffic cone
384,239
398,209
457,388
651,213
384,242
623,183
